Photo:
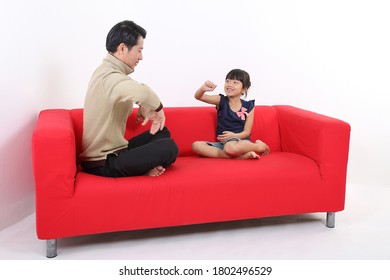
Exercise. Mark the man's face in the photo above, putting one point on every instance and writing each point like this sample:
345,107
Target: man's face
134,55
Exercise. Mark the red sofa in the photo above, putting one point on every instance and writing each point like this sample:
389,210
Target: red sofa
305,173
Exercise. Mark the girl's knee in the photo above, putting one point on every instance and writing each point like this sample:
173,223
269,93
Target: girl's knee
198,146
231,149
195,146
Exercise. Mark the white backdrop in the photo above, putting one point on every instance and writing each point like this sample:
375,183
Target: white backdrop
331,57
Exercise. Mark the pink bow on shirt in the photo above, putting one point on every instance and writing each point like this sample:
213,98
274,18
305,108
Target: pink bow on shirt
242,113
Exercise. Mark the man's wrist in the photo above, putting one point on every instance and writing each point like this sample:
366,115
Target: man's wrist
159,108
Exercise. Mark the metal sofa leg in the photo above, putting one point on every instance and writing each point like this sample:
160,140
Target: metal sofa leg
330,219
51,248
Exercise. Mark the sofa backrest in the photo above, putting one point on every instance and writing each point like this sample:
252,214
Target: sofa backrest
189,124
266,127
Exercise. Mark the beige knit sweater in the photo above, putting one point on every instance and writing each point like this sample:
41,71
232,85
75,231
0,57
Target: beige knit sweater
108,103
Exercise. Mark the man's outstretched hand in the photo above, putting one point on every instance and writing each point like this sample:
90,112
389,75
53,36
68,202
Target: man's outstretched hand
157,119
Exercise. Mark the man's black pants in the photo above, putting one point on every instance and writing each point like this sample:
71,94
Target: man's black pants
144,152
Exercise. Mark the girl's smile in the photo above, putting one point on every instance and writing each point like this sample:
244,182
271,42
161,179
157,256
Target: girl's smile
233,87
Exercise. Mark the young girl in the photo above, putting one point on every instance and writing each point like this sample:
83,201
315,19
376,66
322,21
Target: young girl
234,120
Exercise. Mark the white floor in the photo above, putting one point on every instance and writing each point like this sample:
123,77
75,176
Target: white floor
362,232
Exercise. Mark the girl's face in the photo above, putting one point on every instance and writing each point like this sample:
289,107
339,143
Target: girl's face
233,88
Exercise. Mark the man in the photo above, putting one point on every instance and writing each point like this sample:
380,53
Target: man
108,103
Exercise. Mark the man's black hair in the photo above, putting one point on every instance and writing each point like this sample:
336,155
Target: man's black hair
126,32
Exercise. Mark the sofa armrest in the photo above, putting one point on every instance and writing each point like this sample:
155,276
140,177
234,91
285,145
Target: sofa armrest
54,155
323,139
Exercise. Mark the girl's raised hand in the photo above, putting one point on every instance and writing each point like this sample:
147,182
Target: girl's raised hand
209,86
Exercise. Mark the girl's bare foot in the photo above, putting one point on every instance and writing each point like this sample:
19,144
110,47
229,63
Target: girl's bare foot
249,155
157,171
263,148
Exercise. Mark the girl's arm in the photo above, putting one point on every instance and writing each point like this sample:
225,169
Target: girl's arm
248,124
210,99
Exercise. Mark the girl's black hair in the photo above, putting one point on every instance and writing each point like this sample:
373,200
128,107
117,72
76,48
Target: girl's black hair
240,75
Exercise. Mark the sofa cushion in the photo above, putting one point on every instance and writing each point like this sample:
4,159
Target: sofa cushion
195,190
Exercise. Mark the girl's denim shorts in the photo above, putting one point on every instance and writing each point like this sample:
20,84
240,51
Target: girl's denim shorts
220,145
